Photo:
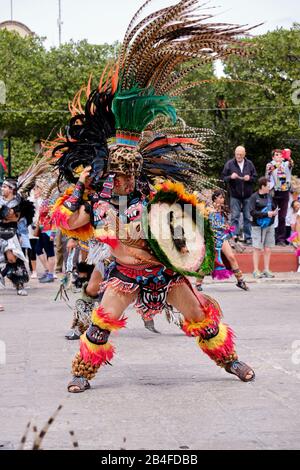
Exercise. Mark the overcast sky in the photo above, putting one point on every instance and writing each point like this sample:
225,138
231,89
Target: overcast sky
101,21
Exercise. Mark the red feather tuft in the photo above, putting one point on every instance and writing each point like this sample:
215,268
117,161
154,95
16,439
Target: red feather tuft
99,357
105,317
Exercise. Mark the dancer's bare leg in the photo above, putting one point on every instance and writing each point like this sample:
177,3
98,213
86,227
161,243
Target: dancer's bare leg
228,252
93,286
183,298
114,303
192,306
11,258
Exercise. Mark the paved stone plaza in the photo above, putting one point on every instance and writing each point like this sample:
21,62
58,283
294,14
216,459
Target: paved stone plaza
162,392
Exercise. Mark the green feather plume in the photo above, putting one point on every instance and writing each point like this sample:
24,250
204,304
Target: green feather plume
134,109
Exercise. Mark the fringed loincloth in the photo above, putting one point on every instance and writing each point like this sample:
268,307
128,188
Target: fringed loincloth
151,283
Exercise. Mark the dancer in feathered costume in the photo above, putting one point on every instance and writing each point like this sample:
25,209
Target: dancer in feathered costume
226,263
118,145
13,208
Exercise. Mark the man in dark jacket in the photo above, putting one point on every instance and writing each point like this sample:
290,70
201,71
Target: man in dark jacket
240,174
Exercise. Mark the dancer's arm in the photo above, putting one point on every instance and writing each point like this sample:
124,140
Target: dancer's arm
79,218
70,212
74,203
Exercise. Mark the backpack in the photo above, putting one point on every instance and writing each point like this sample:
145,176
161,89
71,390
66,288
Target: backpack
266,221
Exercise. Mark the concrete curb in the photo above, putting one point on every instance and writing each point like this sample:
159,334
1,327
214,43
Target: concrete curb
293,278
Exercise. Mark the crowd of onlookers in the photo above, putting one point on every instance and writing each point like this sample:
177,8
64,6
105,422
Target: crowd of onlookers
269,214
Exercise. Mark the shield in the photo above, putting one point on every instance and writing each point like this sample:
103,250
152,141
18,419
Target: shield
178,232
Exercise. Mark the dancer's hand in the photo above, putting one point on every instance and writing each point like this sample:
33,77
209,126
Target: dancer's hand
85,175
71,244
11,216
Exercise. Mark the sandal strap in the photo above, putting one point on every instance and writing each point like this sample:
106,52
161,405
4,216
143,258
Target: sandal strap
80,382
240,369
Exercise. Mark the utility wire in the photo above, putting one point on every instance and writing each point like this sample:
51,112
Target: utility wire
52,111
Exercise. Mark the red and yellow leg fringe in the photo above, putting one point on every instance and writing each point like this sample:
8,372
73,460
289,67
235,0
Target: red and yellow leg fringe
212,315
221,347
98,354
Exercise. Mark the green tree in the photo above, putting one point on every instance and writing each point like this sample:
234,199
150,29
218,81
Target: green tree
39,86
269,118
22,60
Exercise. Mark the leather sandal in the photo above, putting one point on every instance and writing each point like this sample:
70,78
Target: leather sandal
241,370
81,383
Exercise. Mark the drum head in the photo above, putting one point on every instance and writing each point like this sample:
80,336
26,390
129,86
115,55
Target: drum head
179,236
178,231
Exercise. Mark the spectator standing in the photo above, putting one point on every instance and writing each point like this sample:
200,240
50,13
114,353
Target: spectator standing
279,174
263,211
240,174
45,245
35,197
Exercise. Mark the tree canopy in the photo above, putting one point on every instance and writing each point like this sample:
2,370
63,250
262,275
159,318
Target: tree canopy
40,83
262,95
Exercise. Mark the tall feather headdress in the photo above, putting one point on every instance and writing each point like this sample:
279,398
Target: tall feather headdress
115,131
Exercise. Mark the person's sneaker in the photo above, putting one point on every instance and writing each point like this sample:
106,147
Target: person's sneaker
45,274
34,275
257,275
248,242
283,244
46,279
268,274
22,292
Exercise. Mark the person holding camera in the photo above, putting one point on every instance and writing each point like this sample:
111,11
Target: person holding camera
263,211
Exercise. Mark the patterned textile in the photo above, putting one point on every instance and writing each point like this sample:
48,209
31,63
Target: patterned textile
151,283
